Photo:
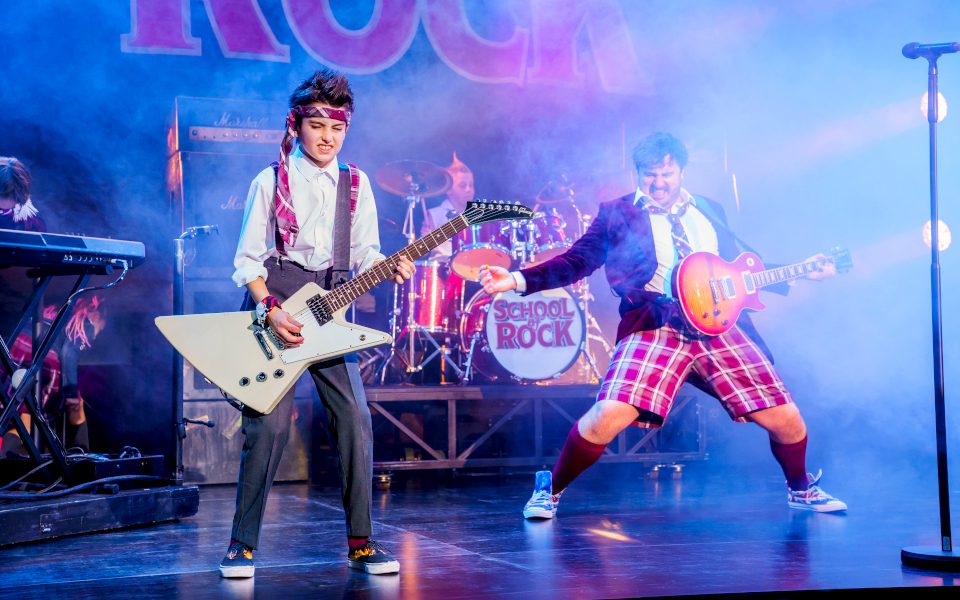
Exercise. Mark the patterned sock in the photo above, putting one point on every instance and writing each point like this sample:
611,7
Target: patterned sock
576,456
355,542
793,461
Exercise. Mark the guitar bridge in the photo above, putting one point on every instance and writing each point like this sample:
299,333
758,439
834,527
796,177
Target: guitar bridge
261,340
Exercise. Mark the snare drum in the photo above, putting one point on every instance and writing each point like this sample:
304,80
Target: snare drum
524,338
546,232
431,298
479,245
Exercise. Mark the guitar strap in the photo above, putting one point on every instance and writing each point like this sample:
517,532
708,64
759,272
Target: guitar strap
348,189
703,205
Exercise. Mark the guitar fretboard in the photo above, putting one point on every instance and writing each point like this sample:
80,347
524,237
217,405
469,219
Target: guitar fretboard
323,306
788,272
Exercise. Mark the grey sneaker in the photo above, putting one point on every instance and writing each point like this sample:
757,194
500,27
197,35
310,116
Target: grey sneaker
543,503
813,498
238,561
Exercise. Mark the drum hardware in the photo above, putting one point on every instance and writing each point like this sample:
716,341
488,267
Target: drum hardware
531,243
431,319
414,181
594,333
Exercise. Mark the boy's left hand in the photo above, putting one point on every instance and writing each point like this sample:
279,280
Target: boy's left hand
404,271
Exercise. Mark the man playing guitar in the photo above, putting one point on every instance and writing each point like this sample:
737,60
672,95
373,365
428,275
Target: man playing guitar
641,238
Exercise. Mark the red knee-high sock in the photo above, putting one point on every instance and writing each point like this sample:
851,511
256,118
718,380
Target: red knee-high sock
356,542
793,461
576,456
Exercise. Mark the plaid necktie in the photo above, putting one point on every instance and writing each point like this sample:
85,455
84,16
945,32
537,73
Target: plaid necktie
680,240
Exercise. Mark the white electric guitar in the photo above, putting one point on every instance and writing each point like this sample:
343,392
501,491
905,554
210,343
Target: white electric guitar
247,362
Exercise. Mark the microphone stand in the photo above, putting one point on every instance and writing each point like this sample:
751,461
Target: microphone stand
943,557
179,422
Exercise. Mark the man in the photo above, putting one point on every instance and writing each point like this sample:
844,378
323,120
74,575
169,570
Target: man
640,239
289,237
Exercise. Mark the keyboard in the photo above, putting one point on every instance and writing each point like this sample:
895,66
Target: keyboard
61,253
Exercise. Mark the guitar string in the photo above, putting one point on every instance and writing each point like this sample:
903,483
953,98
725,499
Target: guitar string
346,294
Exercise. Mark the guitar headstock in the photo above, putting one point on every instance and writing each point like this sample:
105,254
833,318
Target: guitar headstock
485,211
840,257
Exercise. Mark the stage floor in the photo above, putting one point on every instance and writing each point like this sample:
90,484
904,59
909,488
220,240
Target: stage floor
619,533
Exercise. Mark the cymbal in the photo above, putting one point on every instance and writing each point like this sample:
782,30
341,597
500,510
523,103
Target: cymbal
414,178
555,192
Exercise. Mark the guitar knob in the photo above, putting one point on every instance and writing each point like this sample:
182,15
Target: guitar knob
726,321
261,376
705,315
716,312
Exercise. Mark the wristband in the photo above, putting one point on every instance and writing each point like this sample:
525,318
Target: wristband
265,306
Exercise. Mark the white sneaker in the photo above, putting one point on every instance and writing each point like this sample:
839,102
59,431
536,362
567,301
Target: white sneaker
543,503
813,498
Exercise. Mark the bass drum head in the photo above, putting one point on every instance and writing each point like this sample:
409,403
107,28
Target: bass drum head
529,338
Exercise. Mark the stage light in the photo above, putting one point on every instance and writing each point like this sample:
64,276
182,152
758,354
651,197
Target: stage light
941,106
942,231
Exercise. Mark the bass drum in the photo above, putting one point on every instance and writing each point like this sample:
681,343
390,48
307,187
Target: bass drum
522,338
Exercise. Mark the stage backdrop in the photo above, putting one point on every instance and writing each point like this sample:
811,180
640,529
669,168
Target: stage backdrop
802,118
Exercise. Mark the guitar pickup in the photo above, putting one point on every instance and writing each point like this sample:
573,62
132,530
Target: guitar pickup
728,289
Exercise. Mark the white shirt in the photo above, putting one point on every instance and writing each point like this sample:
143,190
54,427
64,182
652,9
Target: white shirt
699,230
314,194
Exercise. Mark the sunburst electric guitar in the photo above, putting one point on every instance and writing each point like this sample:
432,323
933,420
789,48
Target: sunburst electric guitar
713,292
245,360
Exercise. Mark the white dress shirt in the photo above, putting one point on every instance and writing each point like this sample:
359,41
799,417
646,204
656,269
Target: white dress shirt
314,195
699,230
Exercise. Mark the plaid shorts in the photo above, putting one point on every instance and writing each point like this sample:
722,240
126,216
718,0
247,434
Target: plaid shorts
648,368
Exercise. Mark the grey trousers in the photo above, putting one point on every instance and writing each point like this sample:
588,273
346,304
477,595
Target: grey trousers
341,392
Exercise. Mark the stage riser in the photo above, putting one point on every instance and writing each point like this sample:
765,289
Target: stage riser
83,513
212,455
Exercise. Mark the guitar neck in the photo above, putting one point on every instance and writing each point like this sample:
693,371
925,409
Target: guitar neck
788,272
374,276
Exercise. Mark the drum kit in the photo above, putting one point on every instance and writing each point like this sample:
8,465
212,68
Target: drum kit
442,314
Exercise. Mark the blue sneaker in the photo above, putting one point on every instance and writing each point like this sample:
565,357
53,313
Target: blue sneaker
543,503
813,498
238,561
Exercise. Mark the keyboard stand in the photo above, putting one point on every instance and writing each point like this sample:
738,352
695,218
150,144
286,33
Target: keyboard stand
24,392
